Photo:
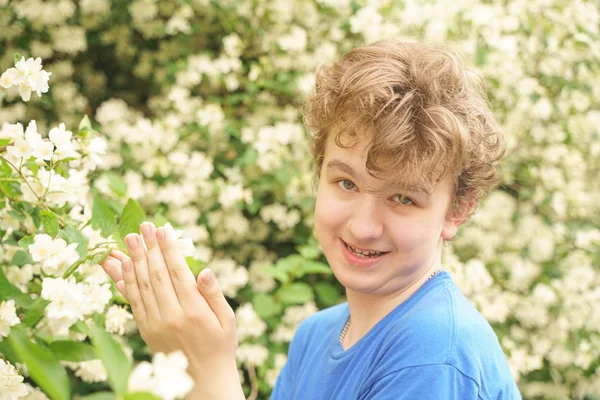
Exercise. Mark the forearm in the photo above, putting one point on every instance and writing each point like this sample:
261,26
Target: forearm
217,384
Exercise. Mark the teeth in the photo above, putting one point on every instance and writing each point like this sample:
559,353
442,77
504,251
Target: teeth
363,253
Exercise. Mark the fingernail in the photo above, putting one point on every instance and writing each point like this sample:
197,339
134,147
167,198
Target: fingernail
131,241
161,233
146,228
127,265
207,279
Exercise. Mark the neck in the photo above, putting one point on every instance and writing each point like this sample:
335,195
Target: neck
366,310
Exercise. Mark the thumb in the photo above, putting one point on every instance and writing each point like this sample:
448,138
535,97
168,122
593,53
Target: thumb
209,287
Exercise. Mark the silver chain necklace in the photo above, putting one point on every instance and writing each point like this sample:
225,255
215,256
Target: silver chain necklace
345,330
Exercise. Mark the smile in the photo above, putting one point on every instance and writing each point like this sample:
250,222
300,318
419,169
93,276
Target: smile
365,253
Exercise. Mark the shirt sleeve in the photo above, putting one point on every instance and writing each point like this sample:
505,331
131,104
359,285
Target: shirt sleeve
435,382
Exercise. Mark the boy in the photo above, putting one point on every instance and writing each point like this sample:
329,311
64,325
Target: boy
405,147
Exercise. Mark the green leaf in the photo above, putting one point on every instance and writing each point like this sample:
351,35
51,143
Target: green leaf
17,57
103,217
85,123
34,312
116,363
99,257
43,368
315,267
5,169
277,272
50,222
295,293
327,293
132,217
82,327
100,396
72,269
117,184
140,396
9,291
265,305
7,351
195,265
21,258
17,215
310,252
26,242
68,350
72,235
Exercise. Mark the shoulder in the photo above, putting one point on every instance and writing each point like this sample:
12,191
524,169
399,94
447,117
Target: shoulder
442,324
444,328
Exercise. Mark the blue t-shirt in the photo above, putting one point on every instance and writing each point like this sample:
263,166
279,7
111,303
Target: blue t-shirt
435,345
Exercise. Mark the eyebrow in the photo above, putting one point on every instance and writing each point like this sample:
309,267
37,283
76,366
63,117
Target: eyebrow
339,165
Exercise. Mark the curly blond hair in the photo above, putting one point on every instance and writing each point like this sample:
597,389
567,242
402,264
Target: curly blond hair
425,115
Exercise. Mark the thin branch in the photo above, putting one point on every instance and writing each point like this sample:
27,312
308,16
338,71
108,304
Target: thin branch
27,182
253,384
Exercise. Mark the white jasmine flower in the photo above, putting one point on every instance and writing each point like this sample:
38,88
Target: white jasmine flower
67,300
42,149
90,7
272,374
56,256
11,383
8,317
20,149
365,21
249,323
231,277
69,39
261,280
185,245
165,377
295,41
34,394
252,354
116,319
91,371
11,131
28,75
230,194
20,276
96,297
62,140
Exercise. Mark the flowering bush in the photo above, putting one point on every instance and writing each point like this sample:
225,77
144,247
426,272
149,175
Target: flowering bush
197,105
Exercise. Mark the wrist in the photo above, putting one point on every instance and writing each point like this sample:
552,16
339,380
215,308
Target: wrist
216,382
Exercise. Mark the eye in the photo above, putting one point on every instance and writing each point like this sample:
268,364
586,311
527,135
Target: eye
346,184
400,199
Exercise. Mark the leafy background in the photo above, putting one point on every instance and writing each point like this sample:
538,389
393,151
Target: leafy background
199,102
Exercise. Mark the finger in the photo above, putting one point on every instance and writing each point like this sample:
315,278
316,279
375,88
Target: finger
181,275
121,288
209,287
112,267
168,302
119,255
140,265
131,288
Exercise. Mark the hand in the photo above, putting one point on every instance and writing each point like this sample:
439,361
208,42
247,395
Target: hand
172,310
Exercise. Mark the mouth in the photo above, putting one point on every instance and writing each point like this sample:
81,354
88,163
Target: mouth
363,253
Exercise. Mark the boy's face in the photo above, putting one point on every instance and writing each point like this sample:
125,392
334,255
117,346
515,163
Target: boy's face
354,208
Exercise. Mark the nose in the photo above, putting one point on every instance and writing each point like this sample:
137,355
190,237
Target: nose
366,222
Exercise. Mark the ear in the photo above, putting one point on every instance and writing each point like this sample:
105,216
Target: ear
456,218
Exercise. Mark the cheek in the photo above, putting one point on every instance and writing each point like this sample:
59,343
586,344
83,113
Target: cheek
330,214
412,234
